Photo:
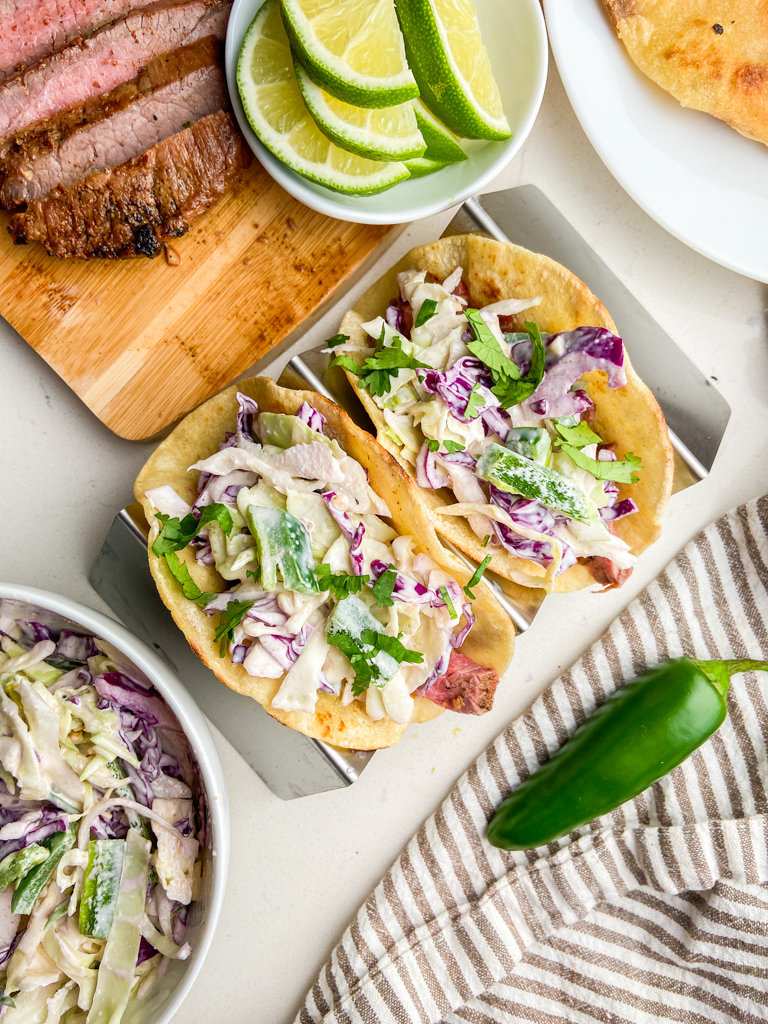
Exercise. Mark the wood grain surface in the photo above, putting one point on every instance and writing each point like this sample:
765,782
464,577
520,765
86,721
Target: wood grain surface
144,341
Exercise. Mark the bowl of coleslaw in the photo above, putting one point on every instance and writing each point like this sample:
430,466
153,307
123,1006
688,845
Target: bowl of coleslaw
114,827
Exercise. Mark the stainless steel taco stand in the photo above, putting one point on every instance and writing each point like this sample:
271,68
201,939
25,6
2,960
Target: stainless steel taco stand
291,764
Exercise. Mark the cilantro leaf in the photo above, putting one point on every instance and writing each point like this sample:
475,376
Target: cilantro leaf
426,312
443,592
475,403
383,587
434,446
487,348
190,589
619,471
391,645
377,371
578,436
232,616
177,533
452,447
339,583
360,660
337,339
476,577
512,392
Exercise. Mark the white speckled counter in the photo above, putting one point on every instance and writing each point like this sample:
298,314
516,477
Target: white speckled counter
300,869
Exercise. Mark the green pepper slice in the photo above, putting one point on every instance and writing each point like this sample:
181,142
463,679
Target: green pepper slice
31,885
283,543
512,472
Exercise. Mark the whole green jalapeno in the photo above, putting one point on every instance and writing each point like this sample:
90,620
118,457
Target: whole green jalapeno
643,731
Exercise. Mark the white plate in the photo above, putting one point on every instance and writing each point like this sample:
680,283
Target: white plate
698,178
514,32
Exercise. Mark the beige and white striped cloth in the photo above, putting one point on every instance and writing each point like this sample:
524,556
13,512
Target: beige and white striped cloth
658,911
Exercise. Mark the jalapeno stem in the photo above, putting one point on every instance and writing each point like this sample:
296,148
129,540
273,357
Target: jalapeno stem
719,672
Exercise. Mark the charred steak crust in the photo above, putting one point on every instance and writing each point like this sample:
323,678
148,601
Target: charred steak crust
113,55
172,92
31,29
134,209
466,687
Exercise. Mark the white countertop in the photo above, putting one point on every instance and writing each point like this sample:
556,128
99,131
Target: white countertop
300,869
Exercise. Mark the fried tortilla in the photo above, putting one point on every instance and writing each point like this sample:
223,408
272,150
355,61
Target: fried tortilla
628,416
489,643
711,58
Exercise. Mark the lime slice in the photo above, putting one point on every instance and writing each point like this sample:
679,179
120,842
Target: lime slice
442,145
422,165
451,65
278,115
353,50
384,133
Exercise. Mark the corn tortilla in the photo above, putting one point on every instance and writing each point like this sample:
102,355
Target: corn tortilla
629,416
490,642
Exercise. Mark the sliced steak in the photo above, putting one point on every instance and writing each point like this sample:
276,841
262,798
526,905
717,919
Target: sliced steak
113,55
606,572
133,209
31,29
174,91
466,687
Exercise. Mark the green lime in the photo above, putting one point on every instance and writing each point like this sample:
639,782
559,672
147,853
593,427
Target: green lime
353,50
381,133
452,68
278,115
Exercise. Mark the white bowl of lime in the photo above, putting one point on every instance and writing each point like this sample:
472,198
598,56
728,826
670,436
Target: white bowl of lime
514,34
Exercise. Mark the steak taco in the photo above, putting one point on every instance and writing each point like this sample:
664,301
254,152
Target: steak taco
498,381
302,566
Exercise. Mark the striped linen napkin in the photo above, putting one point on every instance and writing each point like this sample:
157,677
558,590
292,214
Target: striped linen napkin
658,911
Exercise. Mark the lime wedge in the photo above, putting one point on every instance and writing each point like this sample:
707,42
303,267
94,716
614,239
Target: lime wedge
451,65
442,145
422,165
278,115
383,133
353,50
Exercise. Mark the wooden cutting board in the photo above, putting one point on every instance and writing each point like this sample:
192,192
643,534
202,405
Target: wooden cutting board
144,341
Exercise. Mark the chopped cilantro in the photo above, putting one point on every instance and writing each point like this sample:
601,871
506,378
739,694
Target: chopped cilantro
340,584
186,124
383,587
513,391
232,616
443,592
189,588
475,403
426,312
360,660
620,471
434,446
177,533
578,436
377,371
391,645
487,348
453,446
476,577
337,339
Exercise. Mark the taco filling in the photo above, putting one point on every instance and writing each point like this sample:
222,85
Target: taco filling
503,420
323,593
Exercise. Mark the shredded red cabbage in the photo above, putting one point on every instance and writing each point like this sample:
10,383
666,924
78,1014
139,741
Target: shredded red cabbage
314,419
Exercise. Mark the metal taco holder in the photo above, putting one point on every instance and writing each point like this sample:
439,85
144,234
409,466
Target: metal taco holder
291,764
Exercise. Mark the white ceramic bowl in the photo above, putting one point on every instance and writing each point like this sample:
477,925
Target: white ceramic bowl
516,37
165,998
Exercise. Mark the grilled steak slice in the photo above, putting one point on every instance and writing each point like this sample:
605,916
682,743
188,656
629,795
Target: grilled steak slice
466,686
133,209
31,29
113,55
173,92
